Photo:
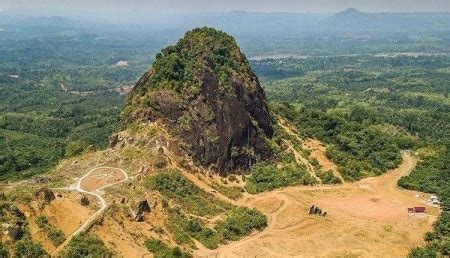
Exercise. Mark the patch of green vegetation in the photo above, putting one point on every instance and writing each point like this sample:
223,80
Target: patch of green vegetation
177,66
20,194
27,248
241,222
184,228
327,177
357,150
266,177
186,220
232,192
161,250
3,251
85,245
54,234
173,185
421,252
42,221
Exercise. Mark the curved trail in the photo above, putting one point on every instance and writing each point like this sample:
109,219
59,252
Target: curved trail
386,183
294,133
103,205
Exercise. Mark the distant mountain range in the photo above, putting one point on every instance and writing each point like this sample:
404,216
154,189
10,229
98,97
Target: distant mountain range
240,22
354,20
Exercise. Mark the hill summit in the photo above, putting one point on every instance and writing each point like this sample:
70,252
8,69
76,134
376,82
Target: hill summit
205,93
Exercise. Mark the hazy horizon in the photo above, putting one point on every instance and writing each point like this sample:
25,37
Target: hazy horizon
299,6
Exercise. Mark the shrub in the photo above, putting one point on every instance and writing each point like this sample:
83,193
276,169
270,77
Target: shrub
241,222
56,236
421,252
268,177
26,248
232,178
161,250
85,245
184,228
328,177
161,162
41,221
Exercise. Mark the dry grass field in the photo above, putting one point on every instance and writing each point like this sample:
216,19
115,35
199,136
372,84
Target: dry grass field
365,219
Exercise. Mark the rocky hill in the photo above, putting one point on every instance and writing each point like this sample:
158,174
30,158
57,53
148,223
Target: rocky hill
205,93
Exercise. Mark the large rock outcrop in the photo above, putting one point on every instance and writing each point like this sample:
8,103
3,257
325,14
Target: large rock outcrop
206,94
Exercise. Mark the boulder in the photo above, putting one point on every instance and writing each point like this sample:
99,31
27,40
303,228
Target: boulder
113,140
45,194
142,208
17,212
15,232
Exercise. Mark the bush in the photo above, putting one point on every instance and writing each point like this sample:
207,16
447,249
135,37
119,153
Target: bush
56,236
85,245
161,250
328,177
183,228
161,162
241,222
26,248
232,178
421,252
268,177
42,221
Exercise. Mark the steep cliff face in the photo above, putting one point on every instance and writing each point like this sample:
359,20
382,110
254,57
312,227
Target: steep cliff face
206,94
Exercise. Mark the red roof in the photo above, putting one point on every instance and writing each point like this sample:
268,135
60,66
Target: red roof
419,209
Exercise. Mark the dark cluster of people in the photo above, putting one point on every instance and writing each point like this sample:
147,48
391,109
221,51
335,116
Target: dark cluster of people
314,210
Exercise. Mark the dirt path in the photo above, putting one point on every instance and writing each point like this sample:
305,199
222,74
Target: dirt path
316,148
301,160
318,151
94,190
364,218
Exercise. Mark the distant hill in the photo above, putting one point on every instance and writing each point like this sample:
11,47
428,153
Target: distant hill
239,23
352,20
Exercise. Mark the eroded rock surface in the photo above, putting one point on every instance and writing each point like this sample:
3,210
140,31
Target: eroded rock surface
206,94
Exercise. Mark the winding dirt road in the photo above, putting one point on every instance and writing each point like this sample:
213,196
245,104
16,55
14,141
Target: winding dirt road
366,218
102,181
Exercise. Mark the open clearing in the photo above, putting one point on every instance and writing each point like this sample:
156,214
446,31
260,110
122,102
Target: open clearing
100,177
96,179
367,218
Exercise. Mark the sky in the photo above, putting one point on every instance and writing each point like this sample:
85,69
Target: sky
300,6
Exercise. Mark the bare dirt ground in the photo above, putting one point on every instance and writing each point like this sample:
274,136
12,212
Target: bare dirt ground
65,213
318,150
365,219
96,179
100,177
